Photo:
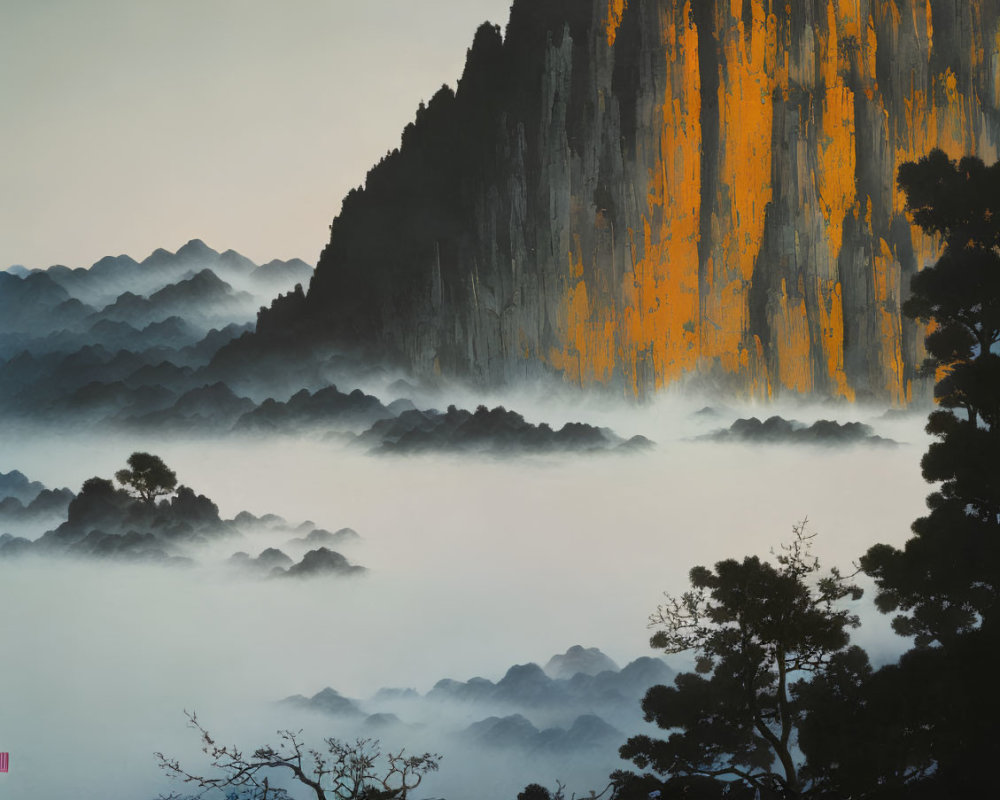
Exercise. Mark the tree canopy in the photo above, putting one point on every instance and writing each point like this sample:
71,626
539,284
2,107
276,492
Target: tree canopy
947,578
756,629
944,584
147,477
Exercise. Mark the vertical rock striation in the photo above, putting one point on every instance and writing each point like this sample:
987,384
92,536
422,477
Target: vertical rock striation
637,192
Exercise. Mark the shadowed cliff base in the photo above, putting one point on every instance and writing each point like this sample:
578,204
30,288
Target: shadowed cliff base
626,195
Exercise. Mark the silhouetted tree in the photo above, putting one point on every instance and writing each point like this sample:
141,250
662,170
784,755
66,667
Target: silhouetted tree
947,578
945,582
863,733
147,477
535,791
755,628
340,771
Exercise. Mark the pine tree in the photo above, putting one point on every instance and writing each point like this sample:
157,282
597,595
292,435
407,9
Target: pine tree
944,583
757,629
947,578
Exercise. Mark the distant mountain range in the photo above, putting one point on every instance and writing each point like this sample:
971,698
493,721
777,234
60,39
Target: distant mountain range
167,345
204,287
580,701
155,345
105,523
111,276
126,338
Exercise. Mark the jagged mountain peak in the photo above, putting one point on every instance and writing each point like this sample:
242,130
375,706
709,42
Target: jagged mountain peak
726,217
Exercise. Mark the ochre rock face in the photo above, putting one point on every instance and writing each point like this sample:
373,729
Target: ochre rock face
664,191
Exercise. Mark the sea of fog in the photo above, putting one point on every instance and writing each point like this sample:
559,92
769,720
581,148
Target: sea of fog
475,564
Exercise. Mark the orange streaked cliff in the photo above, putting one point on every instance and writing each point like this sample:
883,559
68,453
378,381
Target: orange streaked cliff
644,193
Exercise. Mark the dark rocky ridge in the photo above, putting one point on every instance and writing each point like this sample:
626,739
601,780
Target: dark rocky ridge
496,431
778,430
631,194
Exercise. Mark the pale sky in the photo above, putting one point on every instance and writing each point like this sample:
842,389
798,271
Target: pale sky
127,125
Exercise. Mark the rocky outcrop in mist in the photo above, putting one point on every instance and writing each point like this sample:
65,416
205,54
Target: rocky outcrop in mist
496,431
527,710
634,193
104,522
29,504
778,430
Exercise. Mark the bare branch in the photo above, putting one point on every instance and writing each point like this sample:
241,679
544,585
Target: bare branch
346,771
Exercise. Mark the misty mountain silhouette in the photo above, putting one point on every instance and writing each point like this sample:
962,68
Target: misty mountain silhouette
494,430
327,701
268,560
279,273
171,351
778,430
28,305
527,686
25,502
319,537
319,562
15,484
588,661
201,296
526,709
167,316
105,522
305,409
213,407
587,732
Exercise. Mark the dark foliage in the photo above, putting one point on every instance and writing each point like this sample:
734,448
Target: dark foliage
494,430
534,791
757,630
947,578
777,430
930,720
105,522
147,477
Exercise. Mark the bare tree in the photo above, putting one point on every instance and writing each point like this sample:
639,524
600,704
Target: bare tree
339,771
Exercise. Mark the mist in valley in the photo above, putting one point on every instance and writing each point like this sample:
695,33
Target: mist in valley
473,564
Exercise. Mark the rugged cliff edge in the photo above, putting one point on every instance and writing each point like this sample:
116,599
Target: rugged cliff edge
634,192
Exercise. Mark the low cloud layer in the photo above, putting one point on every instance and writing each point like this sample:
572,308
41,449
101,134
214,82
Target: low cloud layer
474,565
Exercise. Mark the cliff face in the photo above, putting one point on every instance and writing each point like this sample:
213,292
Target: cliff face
635,192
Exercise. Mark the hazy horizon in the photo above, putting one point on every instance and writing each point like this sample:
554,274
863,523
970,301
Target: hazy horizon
239,122
474,563
243,123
